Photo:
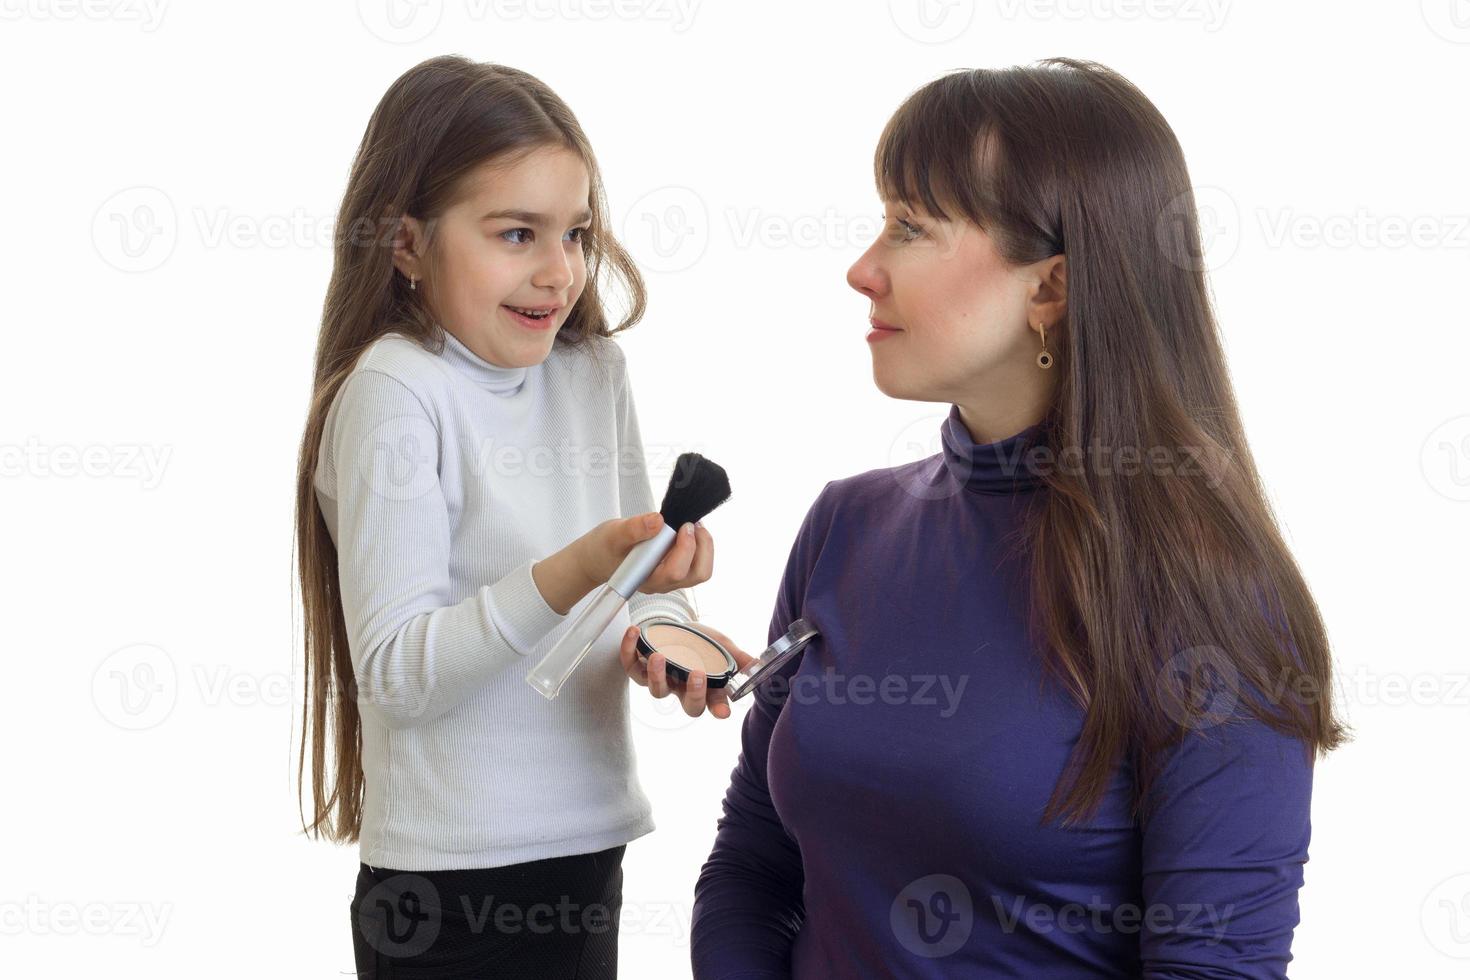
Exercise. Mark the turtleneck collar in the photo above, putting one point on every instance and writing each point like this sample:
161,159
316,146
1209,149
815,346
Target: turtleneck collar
491,377
994,467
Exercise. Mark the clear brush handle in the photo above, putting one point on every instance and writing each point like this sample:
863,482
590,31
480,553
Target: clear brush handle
558,664
548,676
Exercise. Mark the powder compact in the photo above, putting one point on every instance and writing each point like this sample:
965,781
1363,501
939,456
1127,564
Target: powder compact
685,647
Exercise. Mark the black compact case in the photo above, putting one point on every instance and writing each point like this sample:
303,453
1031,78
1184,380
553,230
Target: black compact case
678,671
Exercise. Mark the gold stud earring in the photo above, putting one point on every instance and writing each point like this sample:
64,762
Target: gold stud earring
1044,359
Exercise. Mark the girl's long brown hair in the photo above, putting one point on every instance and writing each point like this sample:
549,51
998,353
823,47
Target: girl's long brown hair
1166,599
439,121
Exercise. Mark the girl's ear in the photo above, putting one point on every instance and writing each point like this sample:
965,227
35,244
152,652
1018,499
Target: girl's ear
409,240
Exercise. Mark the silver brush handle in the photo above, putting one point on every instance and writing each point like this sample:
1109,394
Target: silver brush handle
641,561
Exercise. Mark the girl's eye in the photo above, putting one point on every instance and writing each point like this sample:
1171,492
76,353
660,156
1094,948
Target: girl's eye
577,235
512,236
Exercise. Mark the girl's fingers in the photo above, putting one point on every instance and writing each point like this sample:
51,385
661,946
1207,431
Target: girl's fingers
687,563
676,563
693,695
633,664
658,680
719,697
703,565
719,702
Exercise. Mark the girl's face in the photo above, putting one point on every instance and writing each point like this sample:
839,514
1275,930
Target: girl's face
962,318
506,263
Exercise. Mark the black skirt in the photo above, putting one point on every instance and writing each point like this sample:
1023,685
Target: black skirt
553,919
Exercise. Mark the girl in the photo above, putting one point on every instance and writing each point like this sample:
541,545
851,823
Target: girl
1107,678
470,420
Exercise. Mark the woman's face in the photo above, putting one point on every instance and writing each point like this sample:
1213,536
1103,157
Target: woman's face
962,319
511,246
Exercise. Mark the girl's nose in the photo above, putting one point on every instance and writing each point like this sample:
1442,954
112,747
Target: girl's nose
554,272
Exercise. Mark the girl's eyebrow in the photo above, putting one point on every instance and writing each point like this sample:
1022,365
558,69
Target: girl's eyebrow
533,217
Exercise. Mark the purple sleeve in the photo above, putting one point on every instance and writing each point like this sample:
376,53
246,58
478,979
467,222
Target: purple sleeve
748,900
1223,852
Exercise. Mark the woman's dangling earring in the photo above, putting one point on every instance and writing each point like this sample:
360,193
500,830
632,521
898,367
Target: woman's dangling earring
1044,359
412,282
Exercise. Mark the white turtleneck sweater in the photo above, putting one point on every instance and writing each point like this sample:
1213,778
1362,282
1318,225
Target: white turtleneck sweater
443,479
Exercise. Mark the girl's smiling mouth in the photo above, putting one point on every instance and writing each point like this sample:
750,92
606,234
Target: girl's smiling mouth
534,317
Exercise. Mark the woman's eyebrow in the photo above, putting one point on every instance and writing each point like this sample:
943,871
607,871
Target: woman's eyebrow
534,217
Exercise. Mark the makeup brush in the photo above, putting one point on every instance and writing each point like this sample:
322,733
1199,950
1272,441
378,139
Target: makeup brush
697,486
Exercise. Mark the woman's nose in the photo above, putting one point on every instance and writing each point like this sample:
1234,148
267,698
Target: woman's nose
867,276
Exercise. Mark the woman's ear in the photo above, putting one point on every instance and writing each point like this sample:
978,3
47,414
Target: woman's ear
1048,302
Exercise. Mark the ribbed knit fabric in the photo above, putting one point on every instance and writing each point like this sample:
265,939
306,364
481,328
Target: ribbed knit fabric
442,479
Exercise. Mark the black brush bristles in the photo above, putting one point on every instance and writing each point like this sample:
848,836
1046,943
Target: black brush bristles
697,486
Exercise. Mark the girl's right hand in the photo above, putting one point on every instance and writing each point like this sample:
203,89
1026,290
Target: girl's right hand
589,561
688,562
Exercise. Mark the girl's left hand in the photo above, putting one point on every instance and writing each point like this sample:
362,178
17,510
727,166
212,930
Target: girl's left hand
695,695
689,561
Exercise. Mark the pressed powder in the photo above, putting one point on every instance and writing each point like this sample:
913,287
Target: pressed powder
686,649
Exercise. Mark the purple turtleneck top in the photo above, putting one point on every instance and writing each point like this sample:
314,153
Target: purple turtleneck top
884,818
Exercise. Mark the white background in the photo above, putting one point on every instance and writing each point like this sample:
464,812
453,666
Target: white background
171,174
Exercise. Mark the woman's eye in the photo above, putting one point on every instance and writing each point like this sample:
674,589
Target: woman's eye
577,234
904,231
514,236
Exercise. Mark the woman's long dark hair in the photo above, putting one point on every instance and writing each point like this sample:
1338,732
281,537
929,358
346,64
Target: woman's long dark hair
439,121
1165,597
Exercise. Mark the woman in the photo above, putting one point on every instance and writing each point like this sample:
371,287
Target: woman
1062,716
